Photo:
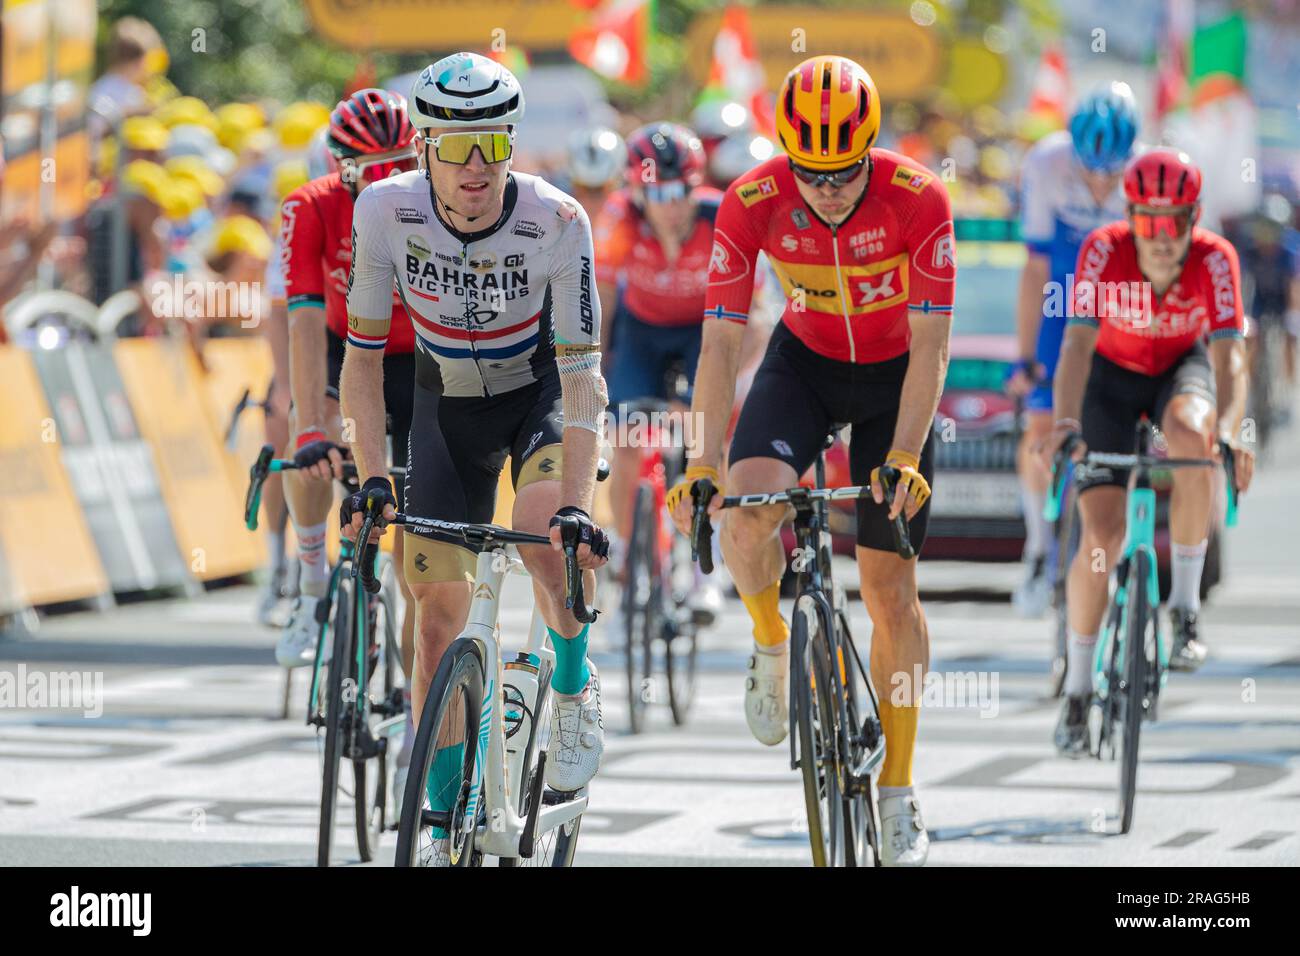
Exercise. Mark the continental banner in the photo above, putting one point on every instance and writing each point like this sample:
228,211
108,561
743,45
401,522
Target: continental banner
165,387
47,554
111,468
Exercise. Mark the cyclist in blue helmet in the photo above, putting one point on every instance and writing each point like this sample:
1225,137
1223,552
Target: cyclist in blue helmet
1104,128
1070,185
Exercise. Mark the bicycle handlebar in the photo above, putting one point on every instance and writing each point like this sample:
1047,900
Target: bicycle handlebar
481,536
702,492
267,464
1060,471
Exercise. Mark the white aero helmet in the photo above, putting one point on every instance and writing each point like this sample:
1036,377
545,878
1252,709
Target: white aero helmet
595,156
465,89
737,155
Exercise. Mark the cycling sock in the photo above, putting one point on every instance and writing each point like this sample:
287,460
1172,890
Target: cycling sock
1079,651
899,724
1038,530
887,792
1186,563
571,671
313,568
443,783
764,608
275,550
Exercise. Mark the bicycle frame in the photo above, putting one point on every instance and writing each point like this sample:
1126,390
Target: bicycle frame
1139,535
495,779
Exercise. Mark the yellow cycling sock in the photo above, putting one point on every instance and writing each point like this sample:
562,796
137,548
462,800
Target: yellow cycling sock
899,724
764,607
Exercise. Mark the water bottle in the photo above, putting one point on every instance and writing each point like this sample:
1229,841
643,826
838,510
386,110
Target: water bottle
519,692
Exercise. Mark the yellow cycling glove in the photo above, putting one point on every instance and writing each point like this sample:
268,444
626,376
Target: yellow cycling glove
910,479
683,487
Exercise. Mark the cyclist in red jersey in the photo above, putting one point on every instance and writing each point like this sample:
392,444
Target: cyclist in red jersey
1149,291
371,138
861,239
653,239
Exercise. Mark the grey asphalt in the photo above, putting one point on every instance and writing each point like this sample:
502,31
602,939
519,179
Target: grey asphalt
189,763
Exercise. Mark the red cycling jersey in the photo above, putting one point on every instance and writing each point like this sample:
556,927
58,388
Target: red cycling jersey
316,254
1139,330
656,291
850,287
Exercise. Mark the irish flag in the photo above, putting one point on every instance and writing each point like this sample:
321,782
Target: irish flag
615,40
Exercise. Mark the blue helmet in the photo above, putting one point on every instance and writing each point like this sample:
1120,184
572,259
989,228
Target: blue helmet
1104,128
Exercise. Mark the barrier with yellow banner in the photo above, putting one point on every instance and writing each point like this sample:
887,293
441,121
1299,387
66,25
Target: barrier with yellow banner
165,387
46,549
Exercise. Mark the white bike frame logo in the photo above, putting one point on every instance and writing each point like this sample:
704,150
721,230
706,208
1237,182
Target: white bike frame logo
54,690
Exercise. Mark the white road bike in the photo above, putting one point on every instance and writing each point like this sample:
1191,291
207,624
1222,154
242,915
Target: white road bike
476,786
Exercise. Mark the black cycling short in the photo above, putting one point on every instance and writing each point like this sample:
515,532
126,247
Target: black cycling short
1116,398
456,462
399,397
798,395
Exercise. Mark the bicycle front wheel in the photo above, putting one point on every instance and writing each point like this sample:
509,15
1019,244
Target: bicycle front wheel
814,717
371,775
443,805
1139,622
336,711
640,607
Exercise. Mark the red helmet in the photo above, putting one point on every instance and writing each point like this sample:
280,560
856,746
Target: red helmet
369,121
1162,177
664,153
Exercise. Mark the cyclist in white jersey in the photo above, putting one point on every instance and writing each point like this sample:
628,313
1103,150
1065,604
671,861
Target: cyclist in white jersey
496,271
1070,185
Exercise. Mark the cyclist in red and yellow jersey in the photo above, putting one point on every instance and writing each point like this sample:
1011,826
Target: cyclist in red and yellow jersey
1149,290
861,239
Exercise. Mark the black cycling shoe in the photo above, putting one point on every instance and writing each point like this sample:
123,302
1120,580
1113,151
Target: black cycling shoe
1072,728
1188,651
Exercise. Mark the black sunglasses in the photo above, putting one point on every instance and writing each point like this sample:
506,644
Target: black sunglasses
835,179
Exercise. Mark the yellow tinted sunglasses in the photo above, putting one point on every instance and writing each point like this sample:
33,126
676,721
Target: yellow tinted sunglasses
456,148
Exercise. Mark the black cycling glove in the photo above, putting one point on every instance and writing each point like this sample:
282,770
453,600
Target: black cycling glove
589,533
356,502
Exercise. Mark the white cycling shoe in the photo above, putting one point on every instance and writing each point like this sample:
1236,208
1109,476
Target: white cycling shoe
903,840
767,708
577,737
297,644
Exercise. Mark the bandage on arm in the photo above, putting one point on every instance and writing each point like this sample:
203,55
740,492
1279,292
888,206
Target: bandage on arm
582,387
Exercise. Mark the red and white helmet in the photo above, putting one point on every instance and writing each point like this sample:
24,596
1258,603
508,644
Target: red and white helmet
369,121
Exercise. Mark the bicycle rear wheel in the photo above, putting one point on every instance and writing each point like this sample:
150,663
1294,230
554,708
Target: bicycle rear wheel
814,717
641,596
1138,622
336,714
443,805
682,638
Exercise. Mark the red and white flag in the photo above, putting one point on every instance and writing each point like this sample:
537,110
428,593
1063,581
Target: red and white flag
737,72
614,42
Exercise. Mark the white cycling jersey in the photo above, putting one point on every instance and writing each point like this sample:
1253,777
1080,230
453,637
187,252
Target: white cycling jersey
488,307
1057,208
